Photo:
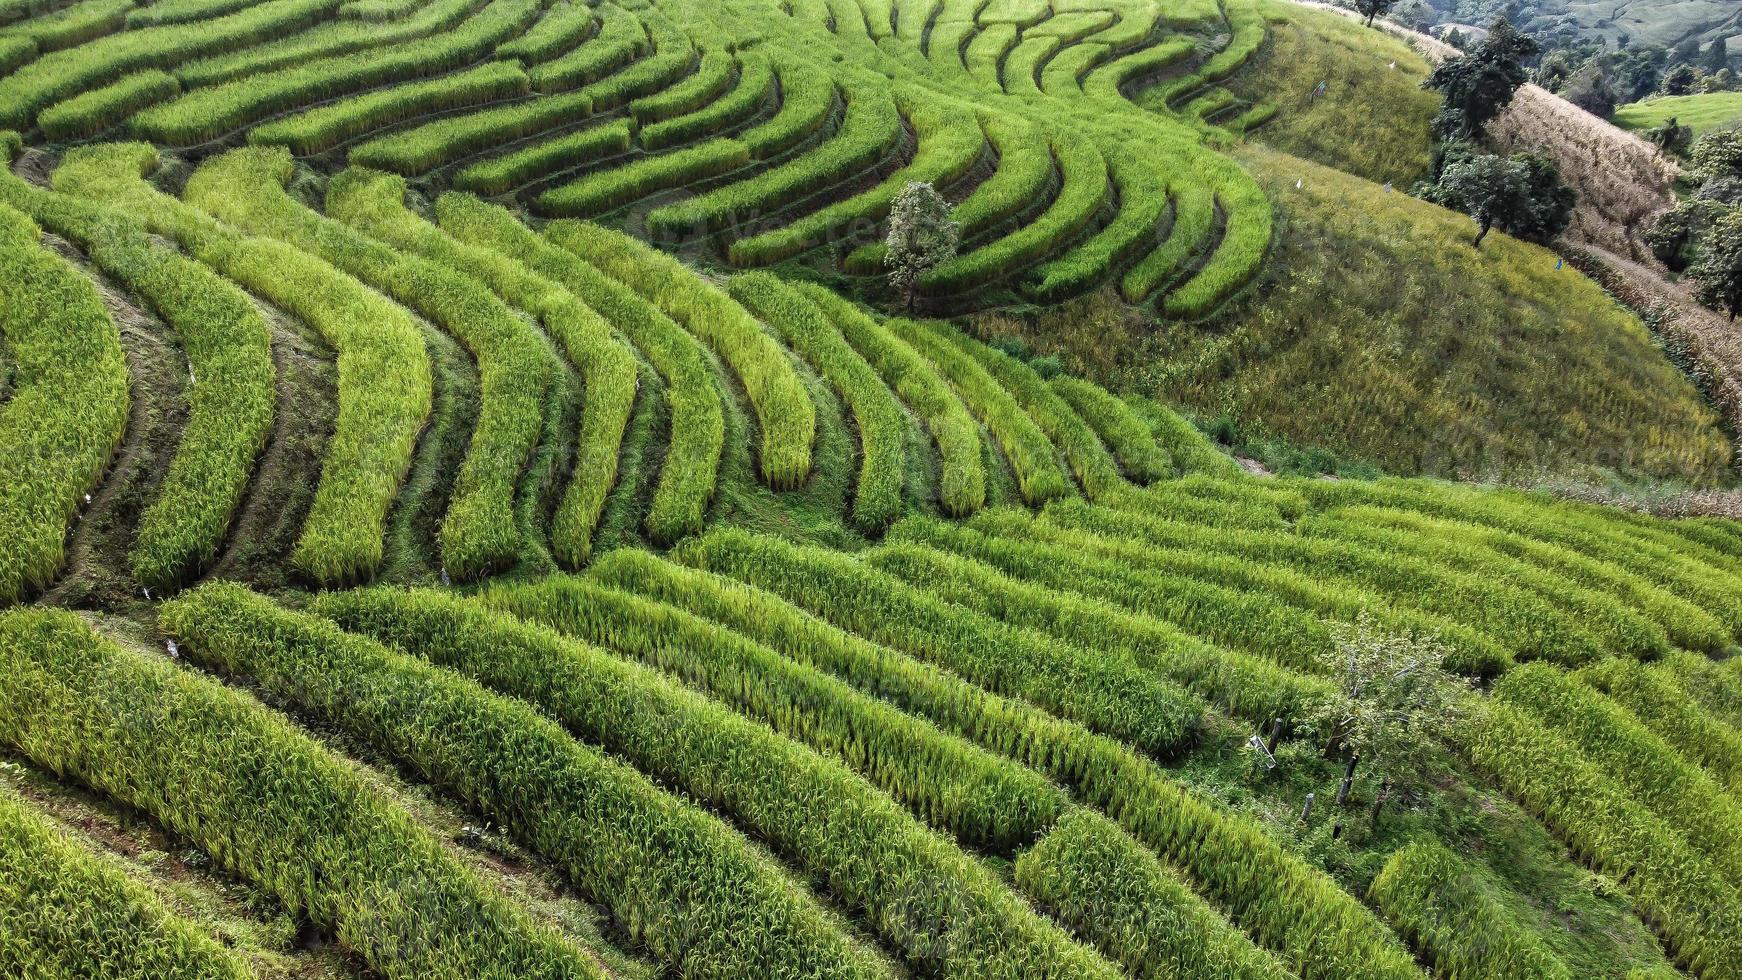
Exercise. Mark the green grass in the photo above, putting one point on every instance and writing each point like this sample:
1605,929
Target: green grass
1704,113
1371,121
1391,340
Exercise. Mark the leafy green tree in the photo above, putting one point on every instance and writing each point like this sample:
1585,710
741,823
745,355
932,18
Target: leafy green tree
921,237
1671,136
1478,85
1718,273
1718,154
1551,201
1394,705
1673,234
1717,57
1589,89
1492,189
1680,80
1371,9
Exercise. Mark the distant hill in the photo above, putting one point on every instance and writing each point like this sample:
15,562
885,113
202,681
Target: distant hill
1655,23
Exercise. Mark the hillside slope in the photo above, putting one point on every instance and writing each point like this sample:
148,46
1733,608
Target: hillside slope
470,512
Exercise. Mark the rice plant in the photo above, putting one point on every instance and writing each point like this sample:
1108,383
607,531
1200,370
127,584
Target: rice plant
265,800
68,407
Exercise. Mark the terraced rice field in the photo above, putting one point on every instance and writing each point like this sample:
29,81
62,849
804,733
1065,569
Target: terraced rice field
418,567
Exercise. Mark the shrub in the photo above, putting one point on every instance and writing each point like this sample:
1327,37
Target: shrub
68,406
607,189
1124,431
560,30
60,74
962,480
754,83
1114,697
1106,886
321,129
70,912
480,532
497,250
1038,473
1450,913
984,800
209,113
877,415
499,175
90,113
265,800
679,880
783,407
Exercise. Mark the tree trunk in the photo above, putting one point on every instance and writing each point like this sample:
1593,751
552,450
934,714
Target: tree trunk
1379,802
1348,779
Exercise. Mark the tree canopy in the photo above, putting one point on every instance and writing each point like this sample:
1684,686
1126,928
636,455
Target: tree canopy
921,237
1478,85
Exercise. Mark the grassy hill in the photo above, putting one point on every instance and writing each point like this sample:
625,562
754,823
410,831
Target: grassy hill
1371,119
471,510
1703,112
